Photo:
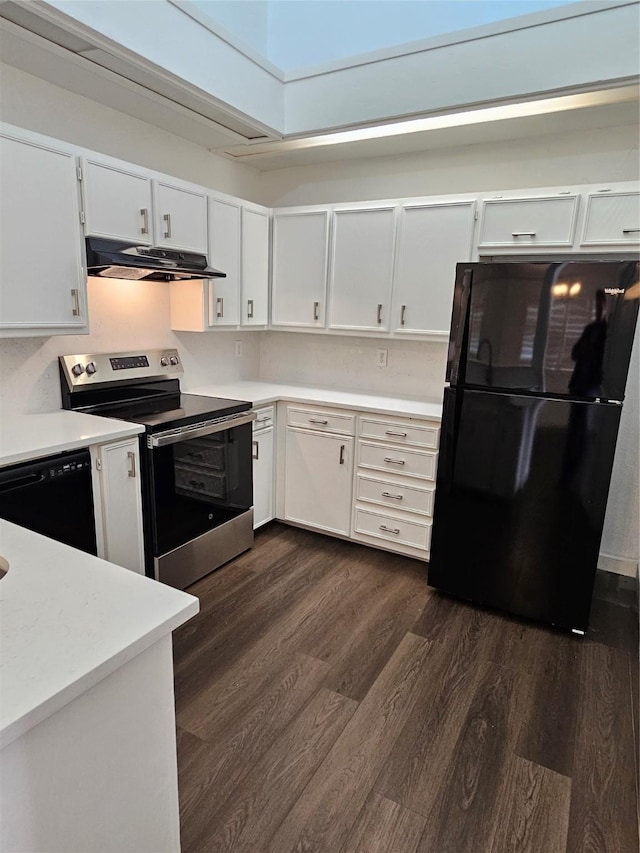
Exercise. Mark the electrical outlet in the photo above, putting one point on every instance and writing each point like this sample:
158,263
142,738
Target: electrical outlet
239,349
382,357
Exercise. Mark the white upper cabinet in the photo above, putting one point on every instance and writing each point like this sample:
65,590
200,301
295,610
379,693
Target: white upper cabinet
117,202
224,255
362,268
180,217
545,221
299,267
612,219
255,266
433,238
42,274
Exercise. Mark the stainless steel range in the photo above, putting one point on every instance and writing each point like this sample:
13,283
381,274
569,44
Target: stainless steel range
197,487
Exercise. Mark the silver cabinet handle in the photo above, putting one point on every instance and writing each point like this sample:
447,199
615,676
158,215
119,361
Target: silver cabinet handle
167,220
76,302
256,449
249,309
220,306
317,421
386,529
342,449
403,310
631,230
379,314
131,456
399,434
263,420
523,233
316,306
391,495
394,461
144,213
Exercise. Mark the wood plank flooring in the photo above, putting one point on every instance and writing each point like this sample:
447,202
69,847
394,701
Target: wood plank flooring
328,700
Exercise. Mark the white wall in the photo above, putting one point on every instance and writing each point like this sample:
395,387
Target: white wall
32,103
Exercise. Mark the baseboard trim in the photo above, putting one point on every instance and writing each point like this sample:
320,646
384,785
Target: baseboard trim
618,565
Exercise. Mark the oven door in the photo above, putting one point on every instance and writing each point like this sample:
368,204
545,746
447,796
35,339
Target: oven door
199,481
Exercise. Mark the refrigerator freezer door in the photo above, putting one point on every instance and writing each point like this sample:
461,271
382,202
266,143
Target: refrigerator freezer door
520,502
557,329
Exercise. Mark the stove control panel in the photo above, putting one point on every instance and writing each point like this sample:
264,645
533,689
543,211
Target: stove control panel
85,370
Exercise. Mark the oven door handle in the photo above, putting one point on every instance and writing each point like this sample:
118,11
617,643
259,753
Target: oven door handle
173,436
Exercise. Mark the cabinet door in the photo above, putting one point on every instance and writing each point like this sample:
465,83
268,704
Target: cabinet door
612,219
529,222
180,218
433,238
263,479
224,255
318,477
121,504
42,276
299,275
362,268
117,203
255,267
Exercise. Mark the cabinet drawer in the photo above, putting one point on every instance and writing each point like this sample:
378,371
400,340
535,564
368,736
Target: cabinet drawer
416,534
413,463
612,218
396,495
265,418
529,222
402,433
320,420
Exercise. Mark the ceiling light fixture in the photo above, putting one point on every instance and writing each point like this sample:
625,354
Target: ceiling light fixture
449,120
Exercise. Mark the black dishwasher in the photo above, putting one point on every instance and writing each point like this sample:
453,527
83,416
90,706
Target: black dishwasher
52,496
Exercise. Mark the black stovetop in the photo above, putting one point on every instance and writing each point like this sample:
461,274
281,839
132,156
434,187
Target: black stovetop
173,411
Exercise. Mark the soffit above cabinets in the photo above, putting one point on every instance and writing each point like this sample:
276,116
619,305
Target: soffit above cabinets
50,40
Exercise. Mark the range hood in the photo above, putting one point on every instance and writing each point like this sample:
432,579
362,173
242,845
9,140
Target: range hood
118,259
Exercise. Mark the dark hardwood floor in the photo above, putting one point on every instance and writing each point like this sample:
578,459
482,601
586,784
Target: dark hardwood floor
328,700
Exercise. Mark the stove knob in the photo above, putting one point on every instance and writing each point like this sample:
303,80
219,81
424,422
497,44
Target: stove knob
164,361
91,368
174,359
77,369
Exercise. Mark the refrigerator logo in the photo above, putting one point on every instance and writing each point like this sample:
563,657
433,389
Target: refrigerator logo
612,291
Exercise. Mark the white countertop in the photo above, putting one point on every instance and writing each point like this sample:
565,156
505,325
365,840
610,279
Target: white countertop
67,620
261,393
32,436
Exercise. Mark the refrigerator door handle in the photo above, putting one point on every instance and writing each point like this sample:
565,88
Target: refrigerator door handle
459,326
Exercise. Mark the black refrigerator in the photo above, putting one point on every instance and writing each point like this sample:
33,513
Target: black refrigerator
536,371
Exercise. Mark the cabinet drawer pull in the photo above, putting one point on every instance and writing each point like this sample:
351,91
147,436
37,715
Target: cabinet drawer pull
256,450
391,495
196,484
144,213
316,306
403,310
263,420
379,315
131,456
76,302
250,309
631,230
167,220
523,233
342,449
399,434
394,461
386,529
220,306
316,421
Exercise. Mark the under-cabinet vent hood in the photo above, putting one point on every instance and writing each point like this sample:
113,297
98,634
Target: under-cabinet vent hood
117,259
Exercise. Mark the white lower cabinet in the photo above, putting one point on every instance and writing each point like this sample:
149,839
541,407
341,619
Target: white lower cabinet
318,479
263,452
395,483
118,503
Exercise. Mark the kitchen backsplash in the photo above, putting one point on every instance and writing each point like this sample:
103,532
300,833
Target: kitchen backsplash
123,316
414,368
